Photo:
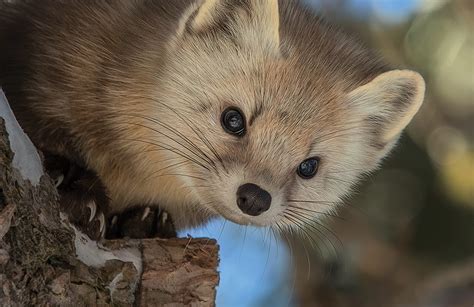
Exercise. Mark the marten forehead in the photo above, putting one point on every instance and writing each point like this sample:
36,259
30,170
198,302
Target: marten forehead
299,99
278,94
291,131
282,89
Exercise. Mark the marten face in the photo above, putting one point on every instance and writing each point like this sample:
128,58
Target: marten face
274,118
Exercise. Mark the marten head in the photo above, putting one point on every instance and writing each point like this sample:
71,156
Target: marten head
276,115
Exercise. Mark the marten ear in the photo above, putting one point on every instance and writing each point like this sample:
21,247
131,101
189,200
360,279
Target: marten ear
250,19
389,103
206,15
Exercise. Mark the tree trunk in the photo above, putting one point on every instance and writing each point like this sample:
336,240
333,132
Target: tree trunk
44,261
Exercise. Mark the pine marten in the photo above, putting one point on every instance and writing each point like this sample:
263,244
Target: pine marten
257,111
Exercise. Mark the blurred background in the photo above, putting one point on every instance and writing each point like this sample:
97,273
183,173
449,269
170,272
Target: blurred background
407,237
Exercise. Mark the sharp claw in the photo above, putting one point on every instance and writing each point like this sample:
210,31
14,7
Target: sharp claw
164,217
58,181
146,213
101,224
93,207
102,233
114,220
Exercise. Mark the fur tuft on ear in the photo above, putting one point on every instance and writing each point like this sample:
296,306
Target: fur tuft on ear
392,99
206,15
251,19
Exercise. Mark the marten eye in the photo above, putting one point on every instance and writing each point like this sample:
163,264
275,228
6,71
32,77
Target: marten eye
233,121
308,168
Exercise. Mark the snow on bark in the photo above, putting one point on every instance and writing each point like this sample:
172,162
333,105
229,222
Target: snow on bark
26,160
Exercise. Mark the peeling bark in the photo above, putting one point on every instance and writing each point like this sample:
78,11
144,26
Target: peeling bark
44,261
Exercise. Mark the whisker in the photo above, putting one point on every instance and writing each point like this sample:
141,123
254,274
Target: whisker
293,265
322,202
195,146
301,226
296,219
165,168
311,222
172,130
184,120
172,149
265,234
243,243
347,171
205,159
180,175
222,230
317,212
340,203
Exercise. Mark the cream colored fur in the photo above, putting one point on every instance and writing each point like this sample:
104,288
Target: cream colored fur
148,132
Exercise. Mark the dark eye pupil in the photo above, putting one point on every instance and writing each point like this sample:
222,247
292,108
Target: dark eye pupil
308,168
233,121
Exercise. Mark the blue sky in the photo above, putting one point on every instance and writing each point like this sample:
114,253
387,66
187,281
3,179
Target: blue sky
253,265
386,11
254,268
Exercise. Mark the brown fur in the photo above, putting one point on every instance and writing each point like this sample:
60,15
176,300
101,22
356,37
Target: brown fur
131,88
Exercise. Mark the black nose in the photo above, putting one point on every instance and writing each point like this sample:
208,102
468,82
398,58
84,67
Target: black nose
253,200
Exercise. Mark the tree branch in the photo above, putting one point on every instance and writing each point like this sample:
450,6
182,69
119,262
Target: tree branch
45,261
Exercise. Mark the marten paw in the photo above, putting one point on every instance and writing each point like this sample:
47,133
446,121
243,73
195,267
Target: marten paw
140,223
85,203
62,171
